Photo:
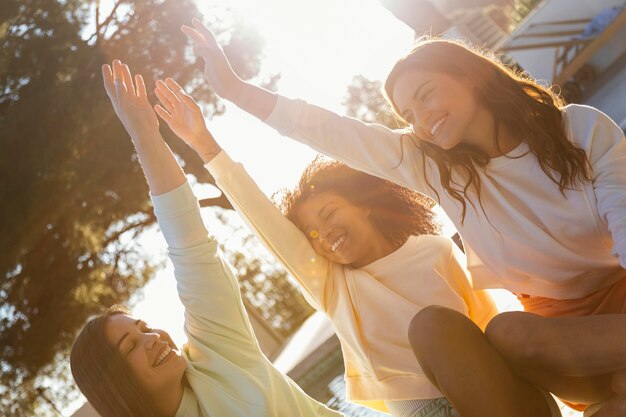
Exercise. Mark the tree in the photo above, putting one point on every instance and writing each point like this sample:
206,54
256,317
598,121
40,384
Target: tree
265,284
364,100
73,195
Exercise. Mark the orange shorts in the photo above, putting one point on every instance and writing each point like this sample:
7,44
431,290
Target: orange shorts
609,300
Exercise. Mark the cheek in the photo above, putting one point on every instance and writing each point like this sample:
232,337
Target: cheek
139,368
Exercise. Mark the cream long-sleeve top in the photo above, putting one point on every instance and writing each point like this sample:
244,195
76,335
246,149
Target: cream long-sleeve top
371,307
227,374
528,237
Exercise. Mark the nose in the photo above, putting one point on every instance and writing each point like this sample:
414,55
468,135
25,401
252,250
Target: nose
150,339
324,232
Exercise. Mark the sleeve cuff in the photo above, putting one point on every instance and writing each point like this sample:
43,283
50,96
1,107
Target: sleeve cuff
179,199
220,165
284,115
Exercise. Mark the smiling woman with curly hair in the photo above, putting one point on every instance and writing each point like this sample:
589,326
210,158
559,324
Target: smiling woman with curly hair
366,252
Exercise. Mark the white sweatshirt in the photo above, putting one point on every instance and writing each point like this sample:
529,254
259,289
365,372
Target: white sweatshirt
529,238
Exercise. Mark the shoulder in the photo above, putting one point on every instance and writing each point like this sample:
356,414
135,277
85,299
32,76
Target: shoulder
581,118
588,126
436,246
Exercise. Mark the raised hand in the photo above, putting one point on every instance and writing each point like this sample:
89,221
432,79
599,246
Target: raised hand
217,70
184,117
129,101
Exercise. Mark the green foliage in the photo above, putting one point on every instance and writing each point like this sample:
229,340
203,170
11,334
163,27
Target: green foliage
73,195
365,101
265,285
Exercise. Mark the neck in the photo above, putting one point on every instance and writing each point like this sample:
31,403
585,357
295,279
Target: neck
482,134
381,247
168,401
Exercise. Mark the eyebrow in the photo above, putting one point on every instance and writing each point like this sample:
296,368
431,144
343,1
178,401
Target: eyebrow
119,342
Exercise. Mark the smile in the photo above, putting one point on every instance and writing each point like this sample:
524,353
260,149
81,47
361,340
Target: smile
437,125
163,355
337,243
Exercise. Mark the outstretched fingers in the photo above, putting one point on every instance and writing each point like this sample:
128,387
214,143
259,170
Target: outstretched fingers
194,35
201,35
107,77
180,94
128,79
141,86
118,78
163,114
166,96
209,38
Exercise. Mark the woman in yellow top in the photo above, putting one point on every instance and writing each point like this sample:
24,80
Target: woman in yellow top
127,369
347,240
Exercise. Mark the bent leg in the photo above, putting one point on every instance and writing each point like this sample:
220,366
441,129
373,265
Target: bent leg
569,346
456,356
579,359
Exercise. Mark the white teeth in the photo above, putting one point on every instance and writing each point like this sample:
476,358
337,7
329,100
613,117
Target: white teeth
162,356
437,125
337,242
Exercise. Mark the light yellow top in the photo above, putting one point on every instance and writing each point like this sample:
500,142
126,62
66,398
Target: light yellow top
370,308
227,373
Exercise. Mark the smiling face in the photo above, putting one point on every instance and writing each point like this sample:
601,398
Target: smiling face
441,109
341,231
150,354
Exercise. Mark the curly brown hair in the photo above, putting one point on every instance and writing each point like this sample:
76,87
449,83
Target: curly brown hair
516,101
397,212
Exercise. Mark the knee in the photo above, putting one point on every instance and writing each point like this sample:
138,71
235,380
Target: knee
515,335
432,328
618,383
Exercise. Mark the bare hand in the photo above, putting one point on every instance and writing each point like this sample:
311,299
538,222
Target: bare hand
184,117
217,70
130,104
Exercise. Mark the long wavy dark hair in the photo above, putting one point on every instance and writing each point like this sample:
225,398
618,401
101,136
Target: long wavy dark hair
517,102
102,375
397,212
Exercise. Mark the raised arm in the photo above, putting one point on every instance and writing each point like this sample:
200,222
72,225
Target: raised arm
286,242
218,72
132,107
372,148
214,312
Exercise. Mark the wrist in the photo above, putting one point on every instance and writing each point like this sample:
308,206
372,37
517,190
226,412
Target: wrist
206,147
237,93
143,137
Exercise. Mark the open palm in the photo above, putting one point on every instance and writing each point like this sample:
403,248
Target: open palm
180,112
129,100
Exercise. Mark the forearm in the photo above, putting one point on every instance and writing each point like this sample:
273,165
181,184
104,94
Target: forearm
159,165
281,237
253,99
206,286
